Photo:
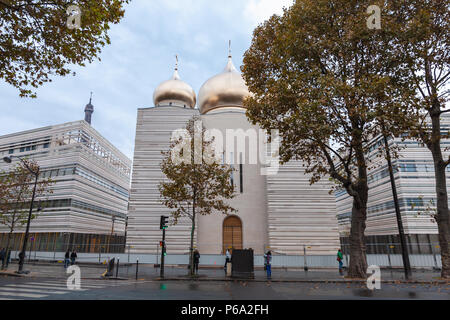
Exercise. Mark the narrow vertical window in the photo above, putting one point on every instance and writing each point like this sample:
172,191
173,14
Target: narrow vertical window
241,168
232,167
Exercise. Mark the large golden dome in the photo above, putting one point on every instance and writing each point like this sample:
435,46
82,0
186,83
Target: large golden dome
174,92
227,89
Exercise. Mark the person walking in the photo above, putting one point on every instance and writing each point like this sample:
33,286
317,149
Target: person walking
8,258
73,257
268,264
227,259
66,259
196,260
2,255
339,259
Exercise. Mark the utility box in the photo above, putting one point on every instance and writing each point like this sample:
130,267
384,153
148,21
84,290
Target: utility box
242,265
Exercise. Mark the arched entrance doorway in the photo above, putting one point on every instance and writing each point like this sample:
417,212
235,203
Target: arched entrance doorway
232,233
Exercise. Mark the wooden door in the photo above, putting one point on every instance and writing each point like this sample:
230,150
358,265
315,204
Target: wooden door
232,233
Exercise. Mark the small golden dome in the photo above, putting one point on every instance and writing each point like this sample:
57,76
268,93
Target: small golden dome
174,92
227,89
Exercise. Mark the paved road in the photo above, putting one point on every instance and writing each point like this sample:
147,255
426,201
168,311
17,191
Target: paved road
56,289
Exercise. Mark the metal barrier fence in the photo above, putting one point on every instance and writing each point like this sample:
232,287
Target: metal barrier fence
280,261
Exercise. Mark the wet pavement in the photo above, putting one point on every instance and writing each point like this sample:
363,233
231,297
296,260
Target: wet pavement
13,288
149,272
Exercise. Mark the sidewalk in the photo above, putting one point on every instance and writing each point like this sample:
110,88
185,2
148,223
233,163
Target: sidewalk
148,272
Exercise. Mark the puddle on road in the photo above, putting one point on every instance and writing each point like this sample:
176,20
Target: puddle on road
363,293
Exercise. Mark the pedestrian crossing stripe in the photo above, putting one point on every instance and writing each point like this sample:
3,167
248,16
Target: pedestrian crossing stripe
16,289
24,295
37,290
62,288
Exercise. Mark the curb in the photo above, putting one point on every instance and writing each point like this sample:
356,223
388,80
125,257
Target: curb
307,281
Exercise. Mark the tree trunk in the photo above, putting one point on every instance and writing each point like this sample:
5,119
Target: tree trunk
191,249
442,216
358,262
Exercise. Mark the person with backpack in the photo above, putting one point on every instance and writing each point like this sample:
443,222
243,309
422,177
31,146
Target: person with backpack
227,259
339,259
268,264
73,257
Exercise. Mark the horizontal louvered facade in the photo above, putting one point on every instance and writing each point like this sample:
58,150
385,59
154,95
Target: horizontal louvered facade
282,212
414,178
91,182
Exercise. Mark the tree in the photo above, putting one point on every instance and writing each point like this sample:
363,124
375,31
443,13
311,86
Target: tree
197,184
421,32
16,188
41,38
319,76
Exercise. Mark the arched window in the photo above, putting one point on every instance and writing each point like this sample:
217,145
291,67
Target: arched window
232,233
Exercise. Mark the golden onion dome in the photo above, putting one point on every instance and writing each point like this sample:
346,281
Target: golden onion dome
174,92
227,89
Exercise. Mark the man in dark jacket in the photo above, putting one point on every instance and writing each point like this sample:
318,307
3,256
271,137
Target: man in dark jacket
196,261
66,259
2,255
73,256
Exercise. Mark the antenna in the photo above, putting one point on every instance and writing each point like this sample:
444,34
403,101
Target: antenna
90,100
229,48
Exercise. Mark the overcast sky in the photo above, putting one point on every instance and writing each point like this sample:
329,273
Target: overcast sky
141,56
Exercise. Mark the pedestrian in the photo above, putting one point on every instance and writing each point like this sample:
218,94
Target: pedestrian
196,261
66,259
339,259
2,255
227,259
8,258
268,264
73,256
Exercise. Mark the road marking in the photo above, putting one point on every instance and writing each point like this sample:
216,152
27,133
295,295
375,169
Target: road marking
25,295
63,285
31,290
37,287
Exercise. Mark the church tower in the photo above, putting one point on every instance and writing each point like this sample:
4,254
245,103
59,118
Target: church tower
88,111
174,104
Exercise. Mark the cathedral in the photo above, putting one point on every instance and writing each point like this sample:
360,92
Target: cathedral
278,210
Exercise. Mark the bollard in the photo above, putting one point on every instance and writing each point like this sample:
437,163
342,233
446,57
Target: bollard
117,270
137,267
305,266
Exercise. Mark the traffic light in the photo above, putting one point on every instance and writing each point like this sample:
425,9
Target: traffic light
162,244
163,222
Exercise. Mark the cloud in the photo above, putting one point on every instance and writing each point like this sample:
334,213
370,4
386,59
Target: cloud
141,55
257,11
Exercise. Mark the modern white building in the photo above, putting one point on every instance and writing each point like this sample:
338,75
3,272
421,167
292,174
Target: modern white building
280,212
88,207
414,178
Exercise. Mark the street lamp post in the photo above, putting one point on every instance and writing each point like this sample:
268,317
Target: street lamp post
27,231
401,232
